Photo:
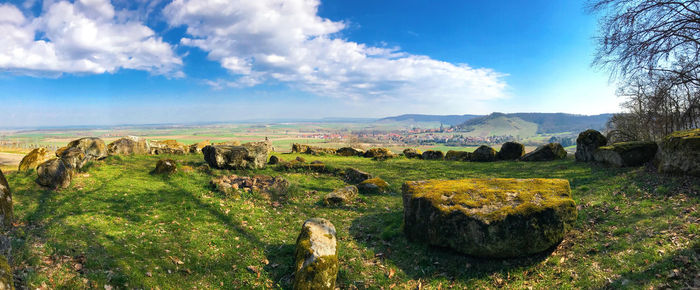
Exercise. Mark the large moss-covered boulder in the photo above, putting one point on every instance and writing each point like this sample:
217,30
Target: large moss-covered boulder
379,153
91,147
6,211
679,152
6,280
484,154
168,147
355,176
350,151
128,146
511,151
499,217
433,155
165,166
248,156
33,159
299,148
197,147
373,186
588,143
54,174
306,149
412,153
316,259
547,152
341,196
453,155
73,158
625,154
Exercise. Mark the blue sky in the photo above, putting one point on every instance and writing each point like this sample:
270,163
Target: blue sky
94,62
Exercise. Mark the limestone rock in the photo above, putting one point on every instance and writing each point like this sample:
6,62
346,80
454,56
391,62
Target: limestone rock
91,147
168,147
625,154
511,151
54,174
500,217
548,152
484,154
355,176
349,151
33,159
197,147
128,146
379,153
433,155
587,144
316,259
73,158
453,155
679,152
306,149
412,153
6,211
248,156
373,186
165,166
341,196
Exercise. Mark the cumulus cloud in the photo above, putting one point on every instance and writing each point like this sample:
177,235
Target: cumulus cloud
87,36
286,41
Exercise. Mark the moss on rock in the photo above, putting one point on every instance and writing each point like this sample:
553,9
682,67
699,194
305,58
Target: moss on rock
511,151
679,152
6,210
6,280
33,159
453,155
341,196
433,155
587,144
624,154
412,153
547,152
373,186
128,146
484,154
316,259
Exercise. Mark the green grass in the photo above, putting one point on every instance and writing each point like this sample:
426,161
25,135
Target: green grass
118,225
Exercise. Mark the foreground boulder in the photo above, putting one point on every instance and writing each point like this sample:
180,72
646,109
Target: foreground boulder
168,147
373,186
587,144
6,211
316,259
248,156
412,153
33,159
355,176
73,158
484,154
433,155
379,153
6,280
511,151
53,174
165,166
341,196
453,155
349,151
91,147
197,147
679,152
498,217
548,152
625,154
129,146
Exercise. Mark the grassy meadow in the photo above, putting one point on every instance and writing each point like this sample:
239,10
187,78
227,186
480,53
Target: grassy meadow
120,226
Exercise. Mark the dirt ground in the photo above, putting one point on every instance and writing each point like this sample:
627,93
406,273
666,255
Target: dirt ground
10,159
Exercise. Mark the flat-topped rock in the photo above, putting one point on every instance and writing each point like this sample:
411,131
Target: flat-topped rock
379,153
625,154
168,147
316,258
499,217
679,152
197,147
248,156
128,146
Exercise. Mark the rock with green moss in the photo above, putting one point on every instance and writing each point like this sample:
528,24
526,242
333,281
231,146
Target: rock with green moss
511,151
306,149
165,166
54,174
355,176
499,217
350,151
6,211
341,196
379,153
129,146
6,280
168,147
547,152
412,153
33,159
91,148
433,155
679,152
484,154
73,158
197,147
453,155
587,144
373,186
274,159
316,258
626,154
247,156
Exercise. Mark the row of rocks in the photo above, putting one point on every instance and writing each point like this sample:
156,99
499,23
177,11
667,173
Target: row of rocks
232,184
374,153
509,151
57,172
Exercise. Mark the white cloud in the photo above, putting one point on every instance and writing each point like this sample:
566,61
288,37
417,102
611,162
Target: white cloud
87,36
286,41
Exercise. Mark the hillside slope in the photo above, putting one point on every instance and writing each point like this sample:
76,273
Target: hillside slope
418,118
498,124
545,123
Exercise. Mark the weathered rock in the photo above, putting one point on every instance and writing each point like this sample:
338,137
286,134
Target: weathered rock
511,151
373,186
498,217
249,156
274,160
412,153
6,280
197,147
306,149
165,166
379,153
587,144
355,176
91,148
299,148
626,154
33,159
128,146
679,152
73,158
548,152
341,196
453,155
53,174
316,162
300,159
316,259
433,155
168,147
349,151
484,154
6,211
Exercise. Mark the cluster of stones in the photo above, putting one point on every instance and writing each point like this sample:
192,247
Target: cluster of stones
57,172
509,151
374,153
232,184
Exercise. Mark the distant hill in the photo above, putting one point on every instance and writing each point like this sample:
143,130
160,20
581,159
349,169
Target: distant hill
522,123
451,120
498,124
